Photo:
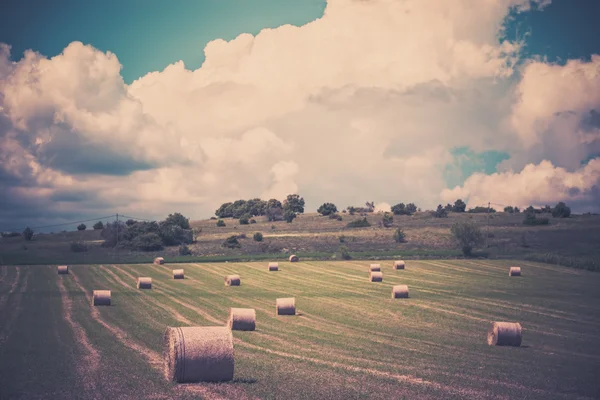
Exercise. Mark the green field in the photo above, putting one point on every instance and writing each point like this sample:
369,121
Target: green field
350,339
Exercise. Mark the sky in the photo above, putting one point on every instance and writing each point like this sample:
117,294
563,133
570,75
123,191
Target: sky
146,108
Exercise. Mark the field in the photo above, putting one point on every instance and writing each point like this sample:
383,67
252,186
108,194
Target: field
350,339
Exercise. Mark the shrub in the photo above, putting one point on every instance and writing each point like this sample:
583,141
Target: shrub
212,218
342,238
404,209
480,209
244,220
184,250
78,247
327,209
359,223
531,219
81,227
561,211
98,226
344,253
28,233
468,235
150,241
459,206
112,233
220,222
272,226
509,209
241,236
258,237
252,221
388,219
179,220
130,222
172,235
399,236
289,216
339,217
231,242
440,212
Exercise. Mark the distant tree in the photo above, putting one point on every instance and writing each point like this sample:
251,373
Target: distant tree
399,236
351,210
327,209
294,203
113,233
517,210
28,233
224,211
561,210
388,219
81,227
231,242
289,216
258,237
98,226
532,219
459,206
546,209
149,241
509,209
220,223
179,220
480,209
172,235
530,210
440,212
275,214
468,235
274,203
410,209
399,209
370,206
130,222
448,207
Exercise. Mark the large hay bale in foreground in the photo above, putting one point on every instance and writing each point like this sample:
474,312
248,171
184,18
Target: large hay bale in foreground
399,264
514,271
178,274
101,298
374,267
232,280
159,260
505,334
242,319
273,266
400,292
376,276
63,269
198,354
144,283
285,306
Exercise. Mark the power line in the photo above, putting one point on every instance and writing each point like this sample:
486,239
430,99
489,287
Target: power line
62,224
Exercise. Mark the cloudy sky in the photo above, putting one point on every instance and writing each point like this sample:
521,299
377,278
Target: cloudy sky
145,108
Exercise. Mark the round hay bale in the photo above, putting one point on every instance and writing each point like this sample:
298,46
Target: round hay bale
400,292
198,354
399,264
101,298
514,271
505,334
232,280
294,258
273,266
144,283
285,306
63,269
159,260
242,319
376,276
375,267
178,274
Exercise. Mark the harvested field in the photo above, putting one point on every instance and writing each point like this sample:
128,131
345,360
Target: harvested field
344,343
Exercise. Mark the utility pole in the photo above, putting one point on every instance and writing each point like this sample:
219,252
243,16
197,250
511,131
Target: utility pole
487,233
117,238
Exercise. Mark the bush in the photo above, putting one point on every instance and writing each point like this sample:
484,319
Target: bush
78,247
344,253
468,235
231,242
388,219
479,209
244,220
172,235
252,221
531,219
342,238
327,209
289,216
339,217
98,226
28,233
179,220
561,211
399,236
258,237
440,212
81,227
147,242
359,223
294,203
112,233
459,206
404,209
184,250
130,222
220,223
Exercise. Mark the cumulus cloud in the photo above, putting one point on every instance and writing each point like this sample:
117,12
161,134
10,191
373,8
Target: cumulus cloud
363,103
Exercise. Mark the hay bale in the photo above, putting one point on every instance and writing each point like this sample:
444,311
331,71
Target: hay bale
198,354
285,306
242,319
63,269
400,292
376,276
101,298
399,264
232,280
505,334
374,268
178,274
514,271
159,260
144,283
294,258
273,266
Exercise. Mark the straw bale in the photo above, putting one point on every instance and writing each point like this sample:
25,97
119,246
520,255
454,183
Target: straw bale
294,258
285,306
376,276
514,271
375,267
242,319
505,334
63,269
400,292
178,274
144,283
232,280
159,260
101,298
273,266
399,264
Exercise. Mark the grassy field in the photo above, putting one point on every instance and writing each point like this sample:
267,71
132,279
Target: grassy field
350,340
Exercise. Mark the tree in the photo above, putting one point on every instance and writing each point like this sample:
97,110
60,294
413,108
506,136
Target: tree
258,237
441,212
113,233
274,203
179,220
399,209
130,222
147,242
231,242
294,203
509,209
81,227
546,209
448,207
28,233
410,209
468,235
399,236
275,214
388,219
289,216
327,209
561,210
244,219
98,226
172,235
459,206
